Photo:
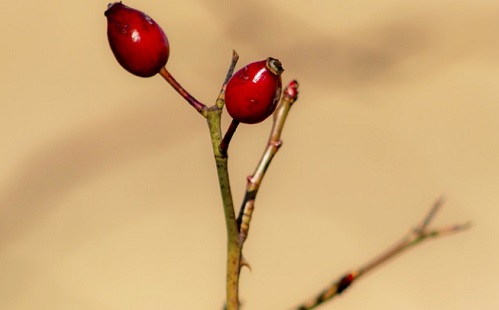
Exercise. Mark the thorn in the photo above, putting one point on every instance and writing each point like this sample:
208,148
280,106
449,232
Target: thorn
250,179
277,143
244,263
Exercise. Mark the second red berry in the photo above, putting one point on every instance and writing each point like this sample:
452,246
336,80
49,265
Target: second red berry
252,92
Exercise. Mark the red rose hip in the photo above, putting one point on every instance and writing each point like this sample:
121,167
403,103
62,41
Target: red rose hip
137,41
252,92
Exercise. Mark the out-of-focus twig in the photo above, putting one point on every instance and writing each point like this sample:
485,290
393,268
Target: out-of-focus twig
416,236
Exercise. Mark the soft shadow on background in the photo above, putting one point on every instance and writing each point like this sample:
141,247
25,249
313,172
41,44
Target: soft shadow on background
108,194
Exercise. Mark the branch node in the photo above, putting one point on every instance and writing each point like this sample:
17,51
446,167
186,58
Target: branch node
277,144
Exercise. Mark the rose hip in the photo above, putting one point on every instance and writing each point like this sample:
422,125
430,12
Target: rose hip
137,41
252,92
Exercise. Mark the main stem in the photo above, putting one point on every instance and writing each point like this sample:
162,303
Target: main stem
233,245
213,116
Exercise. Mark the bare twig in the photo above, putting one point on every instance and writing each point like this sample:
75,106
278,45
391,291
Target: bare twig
274,143
221,96
414,237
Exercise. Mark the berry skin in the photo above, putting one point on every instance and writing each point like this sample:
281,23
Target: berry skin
137,41
252,92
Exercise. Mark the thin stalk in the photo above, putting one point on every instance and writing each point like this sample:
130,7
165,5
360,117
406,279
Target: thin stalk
224,145
200,107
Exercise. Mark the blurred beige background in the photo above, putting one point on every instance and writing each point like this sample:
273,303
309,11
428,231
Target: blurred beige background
108,196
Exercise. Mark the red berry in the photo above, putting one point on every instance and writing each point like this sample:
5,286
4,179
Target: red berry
137,41
253,92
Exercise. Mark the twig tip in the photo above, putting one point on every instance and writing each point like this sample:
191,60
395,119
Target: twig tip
291,91
235,55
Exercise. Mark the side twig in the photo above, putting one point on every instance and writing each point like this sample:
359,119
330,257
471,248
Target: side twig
274,143
416,236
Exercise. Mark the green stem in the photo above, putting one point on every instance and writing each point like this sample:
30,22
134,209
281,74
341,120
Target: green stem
213,116
233,246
